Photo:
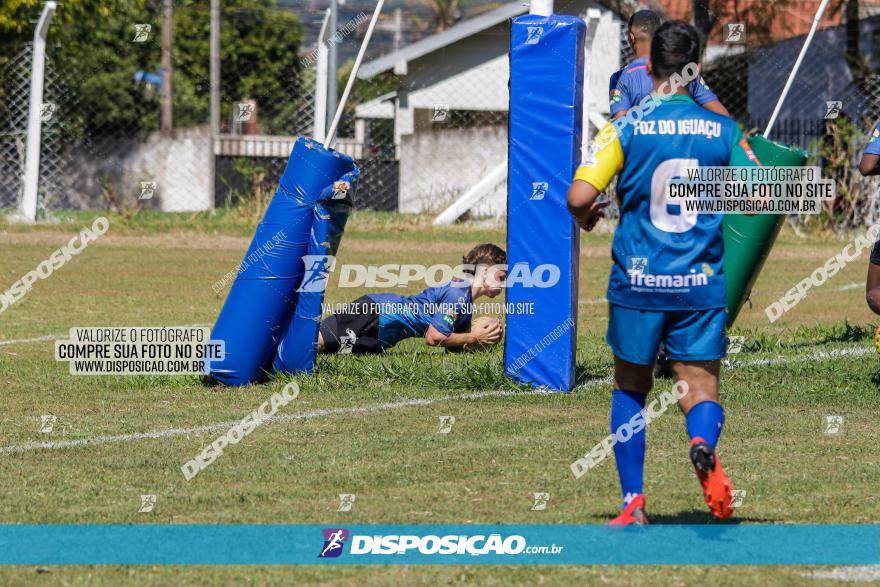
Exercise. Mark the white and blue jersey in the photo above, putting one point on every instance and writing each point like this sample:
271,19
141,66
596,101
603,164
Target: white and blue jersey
630,85
447,308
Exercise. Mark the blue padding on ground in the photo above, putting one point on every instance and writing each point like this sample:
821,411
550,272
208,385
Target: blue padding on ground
546,99
262,299
297,350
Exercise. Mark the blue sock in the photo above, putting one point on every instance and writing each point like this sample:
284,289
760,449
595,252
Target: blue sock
629,455
706,420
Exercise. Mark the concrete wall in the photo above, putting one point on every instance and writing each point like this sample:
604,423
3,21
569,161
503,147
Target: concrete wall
438,164
180,166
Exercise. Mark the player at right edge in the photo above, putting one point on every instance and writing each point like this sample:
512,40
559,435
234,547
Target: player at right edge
667,282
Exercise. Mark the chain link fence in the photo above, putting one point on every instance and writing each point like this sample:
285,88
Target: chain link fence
13,136
426,122
830,109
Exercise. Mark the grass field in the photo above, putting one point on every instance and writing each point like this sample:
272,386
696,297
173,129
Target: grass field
157,270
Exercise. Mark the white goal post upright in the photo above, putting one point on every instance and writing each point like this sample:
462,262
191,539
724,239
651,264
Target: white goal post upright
31,178
322,65
330,139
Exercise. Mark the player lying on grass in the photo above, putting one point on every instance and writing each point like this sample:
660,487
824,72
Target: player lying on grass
632,83
442,315
870,165
667,283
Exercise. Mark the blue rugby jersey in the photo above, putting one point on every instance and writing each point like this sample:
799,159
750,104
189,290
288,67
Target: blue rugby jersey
633,83
665,258
446,307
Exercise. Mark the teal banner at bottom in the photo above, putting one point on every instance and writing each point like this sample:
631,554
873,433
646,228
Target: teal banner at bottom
271,544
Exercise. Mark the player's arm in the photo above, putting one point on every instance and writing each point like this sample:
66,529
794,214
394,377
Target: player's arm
717,107
870,164
706,98
483,332
620,98
593,176
872,285
441,331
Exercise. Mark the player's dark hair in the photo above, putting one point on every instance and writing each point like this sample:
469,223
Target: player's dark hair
485,254
675,44
643,24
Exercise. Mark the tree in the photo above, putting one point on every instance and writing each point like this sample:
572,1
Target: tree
92,49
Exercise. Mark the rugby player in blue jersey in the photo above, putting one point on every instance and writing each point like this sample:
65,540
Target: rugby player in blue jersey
632,83
870,165
441,315
667,283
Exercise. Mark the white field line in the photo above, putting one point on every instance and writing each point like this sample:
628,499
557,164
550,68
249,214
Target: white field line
24,340
54,337
848,286
864,574
593,301
221,426
387,406
733,363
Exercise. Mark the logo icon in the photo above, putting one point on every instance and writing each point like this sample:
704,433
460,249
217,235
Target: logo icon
141,33
334,540
534,35
245,111
539,190
446,423
340,190
735,343
737,497
441,113
833,425
637,266
832,109
347,342
541,500
148,188
148,502
47,423
318,268
734,33
346,502
47,109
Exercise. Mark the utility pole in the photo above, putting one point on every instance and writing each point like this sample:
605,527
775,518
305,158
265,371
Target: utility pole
31,179
167,92
215,68
331,62
398,28
215,93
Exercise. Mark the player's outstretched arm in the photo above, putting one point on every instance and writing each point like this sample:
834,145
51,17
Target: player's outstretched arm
872,285
870,164
593,176
717,107
484,332
583,204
